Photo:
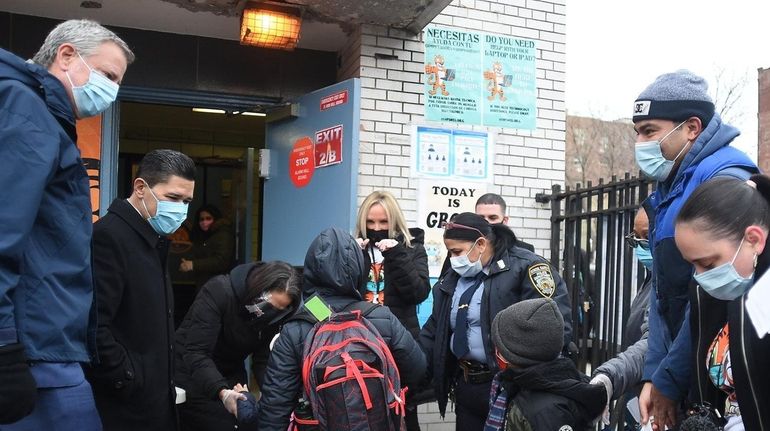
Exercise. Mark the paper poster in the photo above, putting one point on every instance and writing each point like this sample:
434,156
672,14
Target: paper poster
480,78
452,67
437,201
439,152
328,147
510,83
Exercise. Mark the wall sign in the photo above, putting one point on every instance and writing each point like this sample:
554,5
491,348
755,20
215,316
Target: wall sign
445,153
302,162
328,147
479,78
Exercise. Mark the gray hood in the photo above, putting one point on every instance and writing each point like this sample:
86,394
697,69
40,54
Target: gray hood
334,266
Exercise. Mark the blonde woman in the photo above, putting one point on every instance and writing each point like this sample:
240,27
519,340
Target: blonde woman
397,265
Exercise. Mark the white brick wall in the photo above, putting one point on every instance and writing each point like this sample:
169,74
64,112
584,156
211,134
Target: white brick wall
526,162
392,99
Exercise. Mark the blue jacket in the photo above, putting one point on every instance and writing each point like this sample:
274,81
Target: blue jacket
45,217
667,363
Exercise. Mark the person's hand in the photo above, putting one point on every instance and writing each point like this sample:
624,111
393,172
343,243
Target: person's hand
603,380
663,410
186,265
645,404
18,389
386,244
362,242
230,399
241,388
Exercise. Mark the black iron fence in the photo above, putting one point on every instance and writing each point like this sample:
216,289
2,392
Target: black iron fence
589,224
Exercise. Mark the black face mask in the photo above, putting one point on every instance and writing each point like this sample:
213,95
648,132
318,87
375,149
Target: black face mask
376,236
263,313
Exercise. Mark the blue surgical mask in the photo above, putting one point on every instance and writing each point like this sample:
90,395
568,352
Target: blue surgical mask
644,256
95,96
168,215
463,266
650,159
724,282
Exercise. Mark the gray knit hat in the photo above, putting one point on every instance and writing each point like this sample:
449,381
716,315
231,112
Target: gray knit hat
675,96
529,332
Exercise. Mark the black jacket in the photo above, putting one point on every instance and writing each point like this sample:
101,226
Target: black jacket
749,354
511,279
215,338
213,254
406,282
334,268
133,380
551,396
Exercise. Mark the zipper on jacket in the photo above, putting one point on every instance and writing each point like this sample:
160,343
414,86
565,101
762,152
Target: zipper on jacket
698,353
746,362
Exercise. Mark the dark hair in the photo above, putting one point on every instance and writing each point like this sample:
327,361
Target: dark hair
492,199
470,227
726,206
270,277
158,166
197,234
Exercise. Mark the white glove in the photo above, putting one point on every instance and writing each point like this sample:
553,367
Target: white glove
362,242
604,380
386,244
230,399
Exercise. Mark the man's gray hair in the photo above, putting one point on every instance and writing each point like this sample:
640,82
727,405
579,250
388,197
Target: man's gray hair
85,35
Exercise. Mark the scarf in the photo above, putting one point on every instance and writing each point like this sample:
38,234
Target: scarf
498,403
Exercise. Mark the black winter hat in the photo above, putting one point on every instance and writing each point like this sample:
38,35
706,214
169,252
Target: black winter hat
529,332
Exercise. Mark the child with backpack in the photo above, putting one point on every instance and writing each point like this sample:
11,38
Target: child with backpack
537,389
339,354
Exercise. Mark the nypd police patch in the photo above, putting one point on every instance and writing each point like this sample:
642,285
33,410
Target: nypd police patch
542,278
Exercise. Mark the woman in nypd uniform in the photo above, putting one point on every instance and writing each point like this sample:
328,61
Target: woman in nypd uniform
488,274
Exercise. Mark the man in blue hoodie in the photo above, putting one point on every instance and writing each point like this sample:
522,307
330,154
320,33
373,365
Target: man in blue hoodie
46,288
681,143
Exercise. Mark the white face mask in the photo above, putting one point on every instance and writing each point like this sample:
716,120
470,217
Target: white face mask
463,266
650,158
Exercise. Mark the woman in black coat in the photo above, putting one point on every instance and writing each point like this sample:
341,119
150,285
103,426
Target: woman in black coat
722,230
233,316
396,263
213,250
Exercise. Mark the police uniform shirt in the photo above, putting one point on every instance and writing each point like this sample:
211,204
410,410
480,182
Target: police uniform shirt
475,339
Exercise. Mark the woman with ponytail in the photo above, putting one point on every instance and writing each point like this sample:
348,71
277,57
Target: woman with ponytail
488,274
722,230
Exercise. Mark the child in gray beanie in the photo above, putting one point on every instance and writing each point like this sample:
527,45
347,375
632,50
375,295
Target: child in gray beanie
538,389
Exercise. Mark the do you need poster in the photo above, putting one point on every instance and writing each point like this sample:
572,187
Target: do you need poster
479,78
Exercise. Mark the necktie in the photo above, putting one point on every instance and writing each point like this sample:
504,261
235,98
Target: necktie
460,342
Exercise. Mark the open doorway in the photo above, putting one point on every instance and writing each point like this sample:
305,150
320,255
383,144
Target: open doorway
219,144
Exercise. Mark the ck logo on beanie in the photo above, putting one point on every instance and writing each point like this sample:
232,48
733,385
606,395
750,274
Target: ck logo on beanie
642,107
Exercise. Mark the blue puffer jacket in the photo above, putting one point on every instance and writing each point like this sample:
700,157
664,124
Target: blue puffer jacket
46,288
669,346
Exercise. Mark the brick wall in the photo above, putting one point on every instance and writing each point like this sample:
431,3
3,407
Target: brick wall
763,157
526,162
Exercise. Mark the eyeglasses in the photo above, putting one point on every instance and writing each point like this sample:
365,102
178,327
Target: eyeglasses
448,225
633,241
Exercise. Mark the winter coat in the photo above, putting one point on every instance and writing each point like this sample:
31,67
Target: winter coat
133,379
625,370
749,354
215,338
405,283
669,349
213,254
334,268
551,396
512,278
46,286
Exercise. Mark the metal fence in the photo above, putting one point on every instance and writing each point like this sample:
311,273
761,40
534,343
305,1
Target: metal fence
589,224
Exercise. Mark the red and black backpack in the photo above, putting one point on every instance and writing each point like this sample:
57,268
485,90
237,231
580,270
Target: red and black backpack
350,379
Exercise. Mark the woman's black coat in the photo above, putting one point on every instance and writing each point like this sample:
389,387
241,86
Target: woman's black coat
406,282
215,337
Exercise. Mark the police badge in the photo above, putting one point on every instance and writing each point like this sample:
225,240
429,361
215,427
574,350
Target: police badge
542,279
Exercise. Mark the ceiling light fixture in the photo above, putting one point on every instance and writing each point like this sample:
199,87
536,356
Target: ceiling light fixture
270,25
229,113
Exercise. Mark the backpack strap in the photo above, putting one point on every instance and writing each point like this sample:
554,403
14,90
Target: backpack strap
365,307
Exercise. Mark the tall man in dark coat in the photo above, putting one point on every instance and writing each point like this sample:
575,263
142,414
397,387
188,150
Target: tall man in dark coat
133,381
46,291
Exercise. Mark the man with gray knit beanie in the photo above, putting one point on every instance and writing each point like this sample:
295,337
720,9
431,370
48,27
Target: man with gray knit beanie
681,143
549,393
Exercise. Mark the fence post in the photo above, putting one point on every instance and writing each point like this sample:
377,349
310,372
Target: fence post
555,224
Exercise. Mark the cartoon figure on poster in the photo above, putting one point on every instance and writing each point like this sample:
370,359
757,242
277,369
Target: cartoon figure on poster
438,74
497,80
